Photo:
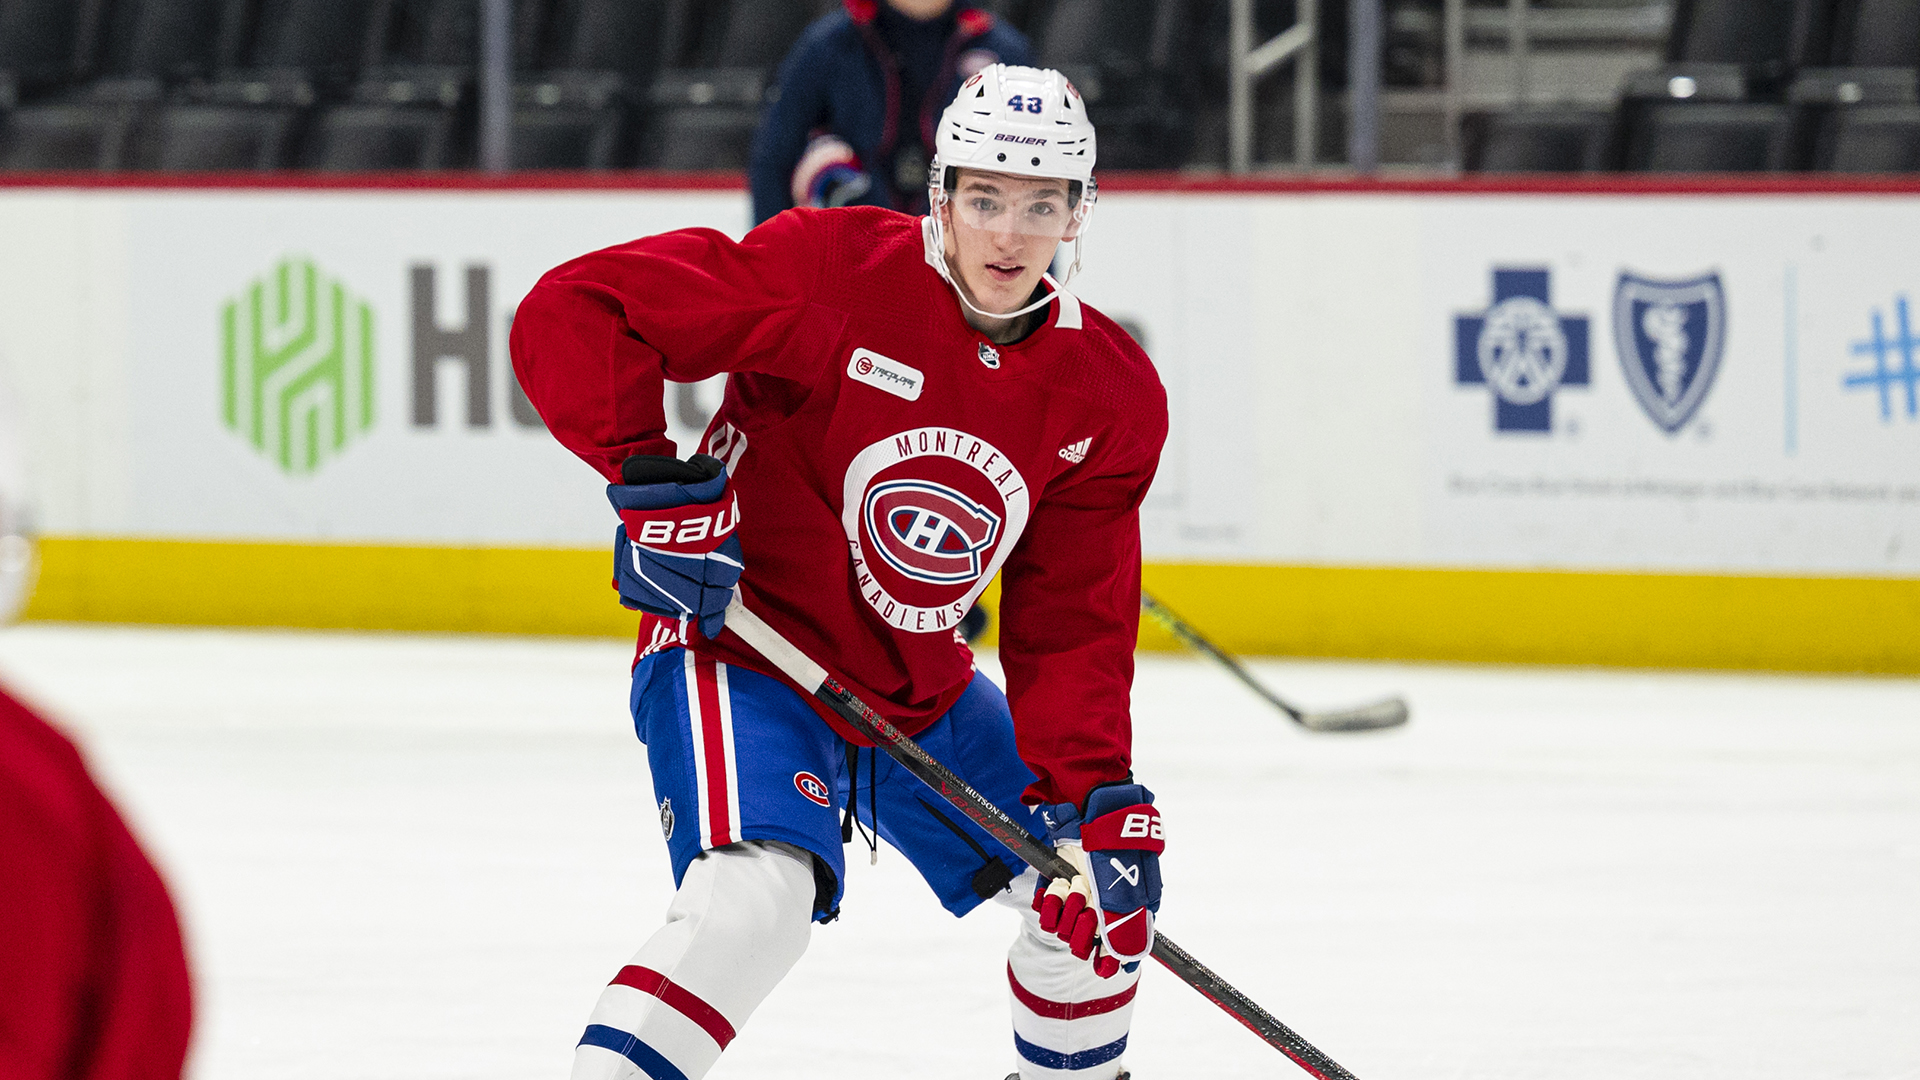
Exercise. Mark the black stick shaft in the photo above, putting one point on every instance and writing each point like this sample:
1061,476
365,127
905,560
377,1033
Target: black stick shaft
1031,849
1178,627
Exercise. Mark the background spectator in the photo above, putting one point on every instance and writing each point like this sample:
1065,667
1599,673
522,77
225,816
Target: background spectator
858,97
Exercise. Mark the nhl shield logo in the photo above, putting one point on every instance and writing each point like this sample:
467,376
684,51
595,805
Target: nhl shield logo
666,818
1670,335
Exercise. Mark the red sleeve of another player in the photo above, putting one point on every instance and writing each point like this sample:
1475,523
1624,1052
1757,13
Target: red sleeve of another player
93,979
1069,617
595,340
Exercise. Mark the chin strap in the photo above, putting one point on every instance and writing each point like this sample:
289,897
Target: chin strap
934,236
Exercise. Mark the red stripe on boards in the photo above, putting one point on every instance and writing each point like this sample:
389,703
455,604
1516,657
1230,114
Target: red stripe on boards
713,739
684,1001
1068,1010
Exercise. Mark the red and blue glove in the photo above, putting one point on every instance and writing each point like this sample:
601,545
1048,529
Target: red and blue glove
677,551
1105,913
829,174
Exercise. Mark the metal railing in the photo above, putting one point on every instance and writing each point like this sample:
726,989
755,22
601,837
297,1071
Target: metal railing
1246,63
496,85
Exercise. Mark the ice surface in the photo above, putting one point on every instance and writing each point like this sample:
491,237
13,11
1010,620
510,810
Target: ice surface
421,857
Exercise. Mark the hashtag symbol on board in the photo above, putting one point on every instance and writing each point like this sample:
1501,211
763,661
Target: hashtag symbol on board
1885,377
296,359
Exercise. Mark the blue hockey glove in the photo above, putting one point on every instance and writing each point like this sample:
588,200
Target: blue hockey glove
1109,906
677,551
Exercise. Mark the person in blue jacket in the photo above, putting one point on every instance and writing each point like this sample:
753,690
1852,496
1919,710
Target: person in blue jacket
858,98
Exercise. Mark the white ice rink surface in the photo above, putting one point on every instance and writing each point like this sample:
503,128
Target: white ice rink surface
421,857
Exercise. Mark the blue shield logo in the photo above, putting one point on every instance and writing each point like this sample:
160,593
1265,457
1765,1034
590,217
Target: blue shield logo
1670,335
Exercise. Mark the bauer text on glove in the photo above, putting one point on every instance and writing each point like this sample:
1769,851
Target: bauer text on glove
677,551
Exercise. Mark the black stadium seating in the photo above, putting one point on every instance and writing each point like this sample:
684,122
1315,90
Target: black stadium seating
1745,85
1127,58
361,137
1746,136
623,36
199,137
1872,139
1764,37
164,39
1537,140
326,39
66,136
570,120
1877,33
46,41
720,60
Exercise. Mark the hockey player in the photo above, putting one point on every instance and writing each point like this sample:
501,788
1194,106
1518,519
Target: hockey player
858,97
914,405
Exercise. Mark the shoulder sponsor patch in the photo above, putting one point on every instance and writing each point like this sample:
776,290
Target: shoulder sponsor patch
885,373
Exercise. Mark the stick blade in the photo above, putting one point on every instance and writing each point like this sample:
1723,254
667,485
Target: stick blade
1388,713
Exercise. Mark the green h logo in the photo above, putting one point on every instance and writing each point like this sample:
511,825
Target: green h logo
296,359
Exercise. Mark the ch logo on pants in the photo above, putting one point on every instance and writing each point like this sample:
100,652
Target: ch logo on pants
812,787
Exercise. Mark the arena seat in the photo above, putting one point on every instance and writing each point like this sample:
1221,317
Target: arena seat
72,135
1766,38
721,54
624,36
47,41
168,39
359,137
570,120
204,137
326,39
1563,140
1877,33
1127,58
1748,136
705,136
1837,102
748,33
1872,139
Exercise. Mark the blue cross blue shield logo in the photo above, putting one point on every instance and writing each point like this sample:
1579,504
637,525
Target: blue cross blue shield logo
1670,335
1521,348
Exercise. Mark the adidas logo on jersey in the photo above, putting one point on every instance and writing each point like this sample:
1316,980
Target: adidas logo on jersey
1076,453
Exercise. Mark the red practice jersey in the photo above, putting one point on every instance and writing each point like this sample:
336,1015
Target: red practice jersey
888,458
93,978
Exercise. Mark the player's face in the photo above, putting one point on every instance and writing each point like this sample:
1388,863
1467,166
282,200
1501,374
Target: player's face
923,10
1002,232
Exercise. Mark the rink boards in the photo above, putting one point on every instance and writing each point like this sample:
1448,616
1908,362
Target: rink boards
1660,424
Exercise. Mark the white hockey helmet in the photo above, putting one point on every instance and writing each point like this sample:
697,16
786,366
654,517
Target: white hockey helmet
1020,121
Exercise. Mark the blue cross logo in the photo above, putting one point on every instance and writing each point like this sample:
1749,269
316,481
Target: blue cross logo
1883,377
1522,348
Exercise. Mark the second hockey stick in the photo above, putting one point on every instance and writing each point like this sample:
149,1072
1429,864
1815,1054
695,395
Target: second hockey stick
1386,713
797,666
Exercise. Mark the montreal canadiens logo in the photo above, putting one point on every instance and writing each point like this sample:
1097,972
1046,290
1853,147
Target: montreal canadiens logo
810,786
929,531
930,514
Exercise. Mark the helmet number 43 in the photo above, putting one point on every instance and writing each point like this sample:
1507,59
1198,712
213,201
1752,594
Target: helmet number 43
1020,104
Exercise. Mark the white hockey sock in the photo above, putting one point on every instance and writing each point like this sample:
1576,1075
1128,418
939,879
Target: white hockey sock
738,923
1068,1023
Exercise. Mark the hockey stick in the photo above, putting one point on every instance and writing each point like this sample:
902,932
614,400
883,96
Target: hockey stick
1386,713
1035,851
